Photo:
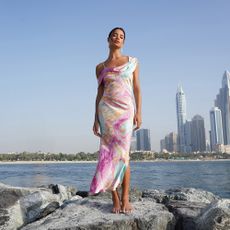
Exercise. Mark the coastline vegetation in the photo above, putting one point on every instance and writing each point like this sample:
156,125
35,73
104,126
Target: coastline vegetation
134,156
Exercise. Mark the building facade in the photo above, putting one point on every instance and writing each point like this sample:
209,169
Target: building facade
216,135
188,136
223,103
198,134
181,118
133,145
171,142
143,139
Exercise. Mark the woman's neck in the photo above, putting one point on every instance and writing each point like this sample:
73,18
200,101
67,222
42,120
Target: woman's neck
114,54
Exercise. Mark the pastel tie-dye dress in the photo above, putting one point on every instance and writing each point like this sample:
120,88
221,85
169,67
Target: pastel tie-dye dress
115,111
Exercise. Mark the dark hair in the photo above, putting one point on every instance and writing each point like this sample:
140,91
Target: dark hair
116,28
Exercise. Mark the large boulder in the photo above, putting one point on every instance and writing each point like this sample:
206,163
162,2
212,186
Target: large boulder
20,206
215,216
183,194
95,214
187,204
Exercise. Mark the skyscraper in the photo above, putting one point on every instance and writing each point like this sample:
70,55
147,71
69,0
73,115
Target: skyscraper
188,136
223,103
133,145
216,127
170,142
143,139
181,118
198,134
162,144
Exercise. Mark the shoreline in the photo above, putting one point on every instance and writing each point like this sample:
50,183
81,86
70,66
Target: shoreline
77,162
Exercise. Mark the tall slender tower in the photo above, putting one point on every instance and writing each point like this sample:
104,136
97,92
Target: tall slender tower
216,127
181,118
223,103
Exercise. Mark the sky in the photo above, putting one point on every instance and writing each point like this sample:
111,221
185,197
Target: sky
49,50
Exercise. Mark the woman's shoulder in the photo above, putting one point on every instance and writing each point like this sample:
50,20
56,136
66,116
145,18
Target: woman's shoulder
133,59
99,68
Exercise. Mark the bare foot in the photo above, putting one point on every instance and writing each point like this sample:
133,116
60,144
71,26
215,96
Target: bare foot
126,207
116,202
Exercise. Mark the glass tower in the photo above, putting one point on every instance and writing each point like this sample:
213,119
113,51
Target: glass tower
181,118
223,103
143,139
198,134
216,127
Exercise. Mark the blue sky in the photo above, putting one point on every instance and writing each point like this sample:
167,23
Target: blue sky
49,50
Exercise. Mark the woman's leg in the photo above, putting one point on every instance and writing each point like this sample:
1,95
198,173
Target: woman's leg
116,202
126,206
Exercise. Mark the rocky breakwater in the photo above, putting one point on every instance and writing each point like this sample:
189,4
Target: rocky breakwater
180,208
20,206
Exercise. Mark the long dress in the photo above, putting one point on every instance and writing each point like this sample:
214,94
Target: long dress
115,112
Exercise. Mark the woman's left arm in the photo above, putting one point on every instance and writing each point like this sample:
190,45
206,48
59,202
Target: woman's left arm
138,100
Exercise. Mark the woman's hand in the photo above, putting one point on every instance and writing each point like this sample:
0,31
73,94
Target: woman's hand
96,128
137,121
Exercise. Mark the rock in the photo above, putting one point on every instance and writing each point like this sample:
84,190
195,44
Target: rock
82,193
96,214
186,194
215,216
186,204
19,206
55,207
185,213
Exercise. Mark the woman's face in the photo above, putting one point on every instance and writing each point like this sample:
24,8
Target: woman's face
116,39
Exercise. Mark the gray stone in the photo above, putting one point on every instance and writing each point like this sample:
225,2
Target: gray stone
19,206
55,207
186,204
215,216
186,194
185,213
96,214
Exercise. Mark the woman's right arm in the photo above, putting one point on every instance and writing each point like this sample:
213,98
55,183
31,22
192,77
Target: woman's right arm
100,91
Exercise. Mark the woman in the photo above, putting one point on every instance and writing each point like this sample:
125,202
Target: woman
118,108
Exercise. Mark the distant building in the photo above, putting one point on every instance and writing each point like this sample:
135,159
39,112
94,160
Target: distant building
198,134
188,136
143,139
217,137
133,145
208,147
210,139
162,144
222,148
223,103
181,118
169,143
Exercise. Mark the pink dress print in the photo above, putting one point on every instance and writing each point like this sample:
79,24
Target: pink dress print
116,111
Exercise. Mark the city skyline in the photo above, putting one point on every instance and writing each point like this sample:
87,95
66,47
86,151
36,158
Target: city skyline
48,83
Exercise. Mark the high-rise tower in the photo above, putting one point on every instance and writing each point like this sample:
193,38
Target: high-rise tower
198,134
181,118
143,139
216,128
223,103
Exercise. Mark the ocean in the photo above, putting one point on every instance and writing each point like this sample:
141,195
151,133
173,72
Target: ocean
213,176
